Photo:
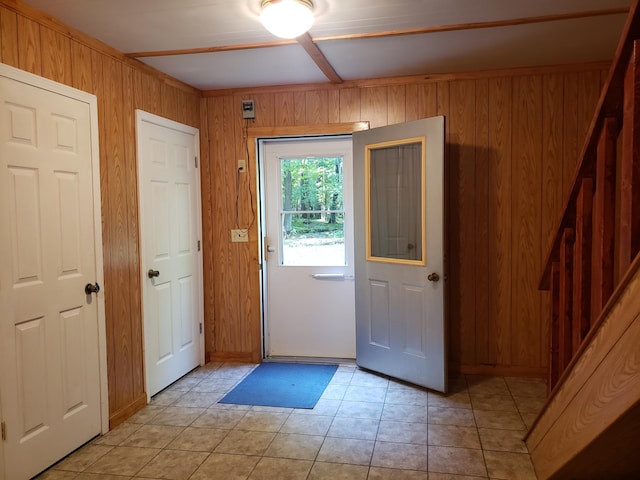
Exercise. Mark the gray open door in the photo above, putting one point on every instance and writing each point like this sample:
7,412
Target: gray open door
399,251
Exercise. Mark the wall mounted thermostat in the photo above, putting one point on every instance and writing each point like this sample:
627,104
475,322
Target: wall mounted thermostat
248,110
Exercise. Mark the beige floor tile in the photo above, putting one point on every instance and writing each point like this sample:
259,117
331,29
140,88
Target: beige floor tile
379,473
527,387
459,461
198,439
185,384
220,418
338,471
502,403
451,400
453,436
346,450
198,399
503,440
405,413
177,416
451,416
117,435
402,432
81,459
404,397
359,428
153,436
528,419
307,424
123,461
368,379
487,385
102,476
166,397
281,469
400,456
173,465
509,466
356,393
323,407
449,476
499,420
341,378
291,445
370,410
219,466
334,392
58,475
146,414
266,408
529,404
245,443
262,421
215,385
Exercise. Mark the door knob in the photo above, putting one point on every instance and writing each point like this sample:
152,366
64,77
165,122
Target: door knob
153,273
433,277
89,289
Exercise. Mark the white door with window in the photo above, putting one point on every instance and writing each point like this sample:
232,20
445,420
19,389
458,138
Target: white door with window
52,350
308,247
399,192
169,181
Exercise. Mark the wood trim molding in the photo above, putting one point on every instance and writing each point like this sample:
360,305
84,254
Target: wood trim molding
121,415
302,130
411,79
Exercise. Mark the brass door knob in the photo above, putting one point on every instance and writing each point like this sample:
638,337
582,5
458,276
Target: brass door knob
433,277
153,273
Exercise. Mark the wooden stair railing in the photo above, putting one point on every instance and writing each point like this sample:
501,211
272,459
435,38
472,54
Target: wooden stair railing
598,233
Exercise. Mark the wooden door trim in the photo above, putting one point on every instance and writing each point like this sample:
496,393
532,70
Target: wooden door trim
92,101
264,133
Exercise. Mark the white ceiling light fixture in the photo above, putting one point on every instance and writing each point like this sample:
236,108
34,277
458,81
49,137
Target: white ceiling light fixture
287,18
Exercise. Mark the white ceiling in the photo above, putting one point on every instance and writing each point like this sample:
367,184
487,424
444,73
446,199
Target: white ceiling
160,25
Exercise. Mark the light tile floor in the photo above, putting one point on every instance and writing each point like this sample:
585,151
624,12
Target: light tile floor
365,426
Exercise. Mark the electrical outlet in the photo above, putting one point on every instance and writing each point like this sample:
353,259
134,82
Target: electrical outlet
239,235
242,165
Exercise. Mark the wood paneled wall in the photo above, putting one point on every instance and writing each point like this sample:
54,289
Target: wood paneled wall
34,42
512,143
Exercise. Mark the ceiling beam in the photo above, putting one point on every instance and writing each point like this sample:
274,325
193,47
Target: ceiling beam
391,33
318,57
221,48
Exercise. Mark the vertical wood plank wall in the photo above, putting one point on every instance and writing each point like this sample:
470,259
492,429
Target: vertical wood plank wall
31,41
512,145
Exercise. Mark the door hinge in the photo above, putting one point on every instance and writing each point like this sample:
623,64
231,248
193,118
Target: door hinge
4,431
198,245
200,334
195,159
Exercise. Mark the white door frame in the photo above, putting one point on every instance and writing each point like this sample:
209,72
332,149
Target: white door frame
254,137
142,116
91,100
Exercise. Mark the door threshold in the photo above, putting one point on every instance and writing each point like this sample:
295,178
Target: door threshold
343,362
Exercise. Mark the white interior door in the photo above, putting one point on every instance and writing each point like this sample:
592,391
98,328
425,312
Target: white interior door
50,343
400,327
308,248
170,209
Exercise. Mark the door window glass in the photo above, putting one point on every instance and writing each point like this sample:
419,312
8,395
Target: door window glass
312,211
396,201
